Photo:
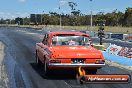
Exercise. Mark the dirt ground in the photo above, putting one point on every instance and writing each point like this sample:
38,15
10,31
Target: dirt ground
3,74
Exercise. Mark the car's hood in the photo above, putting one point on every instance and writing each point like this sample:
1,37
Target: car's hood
75,52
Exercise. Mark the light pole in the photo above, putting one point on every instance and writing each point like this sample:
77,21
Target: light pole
91,21
60,16
41,18
10,21
35,19
0,21
23,21
29,21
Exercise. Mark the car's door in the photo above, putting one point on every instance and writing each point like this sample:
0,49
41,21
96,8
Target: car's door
43,47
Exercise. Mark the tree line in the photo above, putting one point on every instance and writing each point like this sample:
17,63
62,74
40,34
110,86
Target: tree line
76,18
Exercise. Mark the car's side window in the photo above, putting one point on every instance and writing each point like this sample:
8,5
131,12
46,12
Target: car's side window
45,39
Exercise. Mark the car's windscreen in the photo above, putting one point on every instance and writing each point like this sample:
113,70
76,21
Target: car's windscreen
70,40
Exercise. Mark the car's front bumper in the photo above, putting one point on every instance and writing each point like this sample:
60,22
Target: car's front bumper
75,65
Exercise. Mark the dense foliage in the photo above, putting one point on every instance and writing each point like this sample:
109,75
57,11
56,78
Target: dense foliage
115,18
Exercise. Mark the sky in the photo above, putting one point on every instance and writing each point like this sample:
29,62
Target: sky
22,8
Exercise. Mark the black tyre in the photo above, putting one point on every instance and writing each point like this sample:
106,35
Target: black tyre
38,62
46,69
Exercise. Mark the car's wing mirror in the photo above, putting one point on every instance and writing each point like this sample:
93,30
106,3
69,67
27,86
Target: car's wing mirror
92,45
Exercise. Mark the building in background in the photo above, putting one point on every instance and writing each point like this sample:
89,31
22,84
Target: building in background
36,19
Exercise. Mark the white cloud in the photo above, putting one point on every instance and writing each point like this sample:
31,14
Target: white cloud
63,2
1,13
8,15
22,0
55,9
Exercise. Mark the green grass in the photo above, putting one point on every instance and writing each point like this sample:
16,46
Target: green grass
127,30
13,25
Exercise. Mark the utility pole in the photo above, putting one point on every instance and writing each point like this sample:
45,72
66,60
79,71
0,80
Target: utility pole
23,20
60,16
10,21
36,19
29,21
41,19
60,21
91,21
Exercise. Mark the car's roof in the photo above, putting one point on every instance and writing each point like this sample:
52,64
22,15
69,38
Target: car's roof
67,33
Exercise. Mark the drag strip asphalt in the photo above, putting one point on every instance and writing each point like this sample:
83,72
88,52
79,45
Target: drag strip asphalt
20,44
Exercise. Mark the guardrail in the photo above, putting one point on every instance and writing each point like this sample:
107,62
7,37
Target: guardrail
118,54
118,59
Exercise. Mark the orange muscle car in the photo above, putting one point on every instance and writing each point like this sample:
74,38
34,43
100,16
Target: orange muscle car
68,50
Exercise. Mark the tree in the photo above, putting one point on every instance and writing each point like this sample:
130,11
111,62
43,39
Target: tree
128,17
115,18
19,21
100,19
2,21
72,5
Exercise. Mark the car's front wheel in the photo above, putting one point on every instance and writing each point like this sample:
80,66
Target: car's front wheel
38,62
46,69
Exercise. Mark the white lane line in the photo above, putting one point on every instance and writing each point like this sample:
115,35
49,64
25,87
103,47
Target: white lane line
67,84
71,86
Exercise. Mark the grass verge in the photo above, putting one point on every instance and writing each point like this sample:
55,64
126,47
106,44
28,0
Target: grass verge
118,29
